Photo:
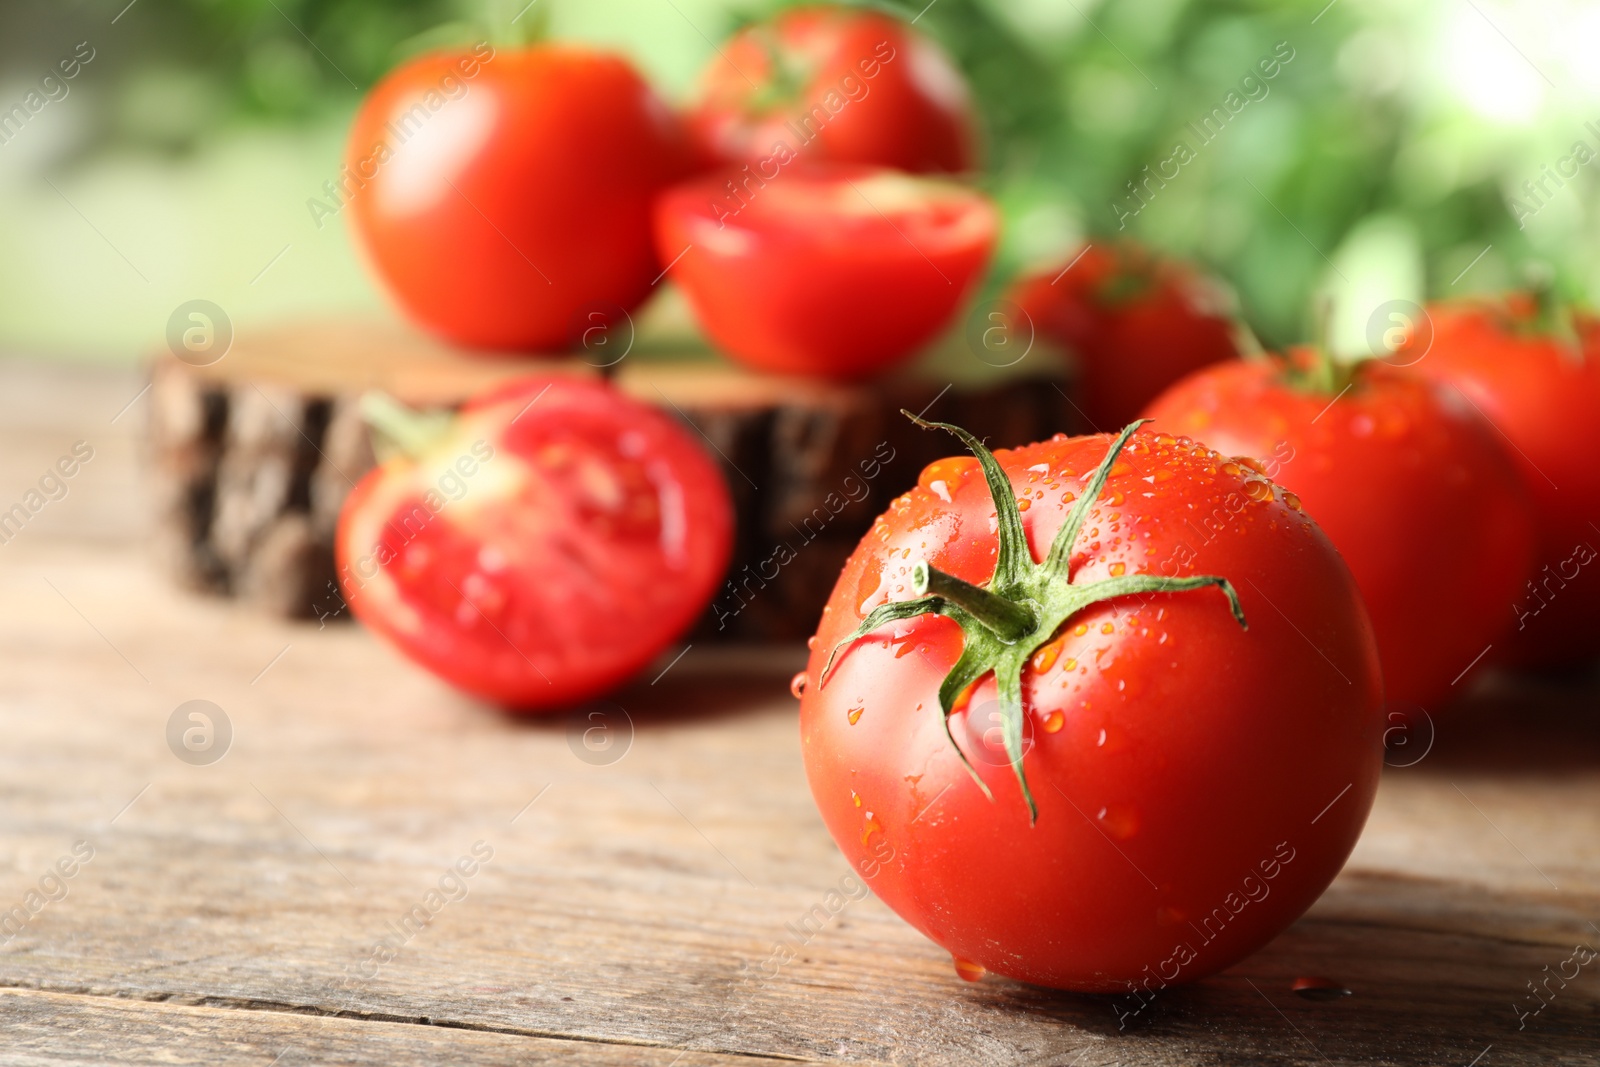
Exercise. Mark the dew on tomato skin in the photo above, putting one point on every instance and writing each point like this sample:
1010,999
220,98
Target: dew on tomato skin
854,714
1107,628
1069,665
797,684
1117,570
1080,629
1292,500
811,642
855,798
968,971
1257,490
1119,822
1053,722
1045,657
869,828
1024,504
1253,464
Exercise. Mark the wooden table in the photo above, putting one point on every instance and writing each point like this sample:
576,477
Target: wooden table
229,911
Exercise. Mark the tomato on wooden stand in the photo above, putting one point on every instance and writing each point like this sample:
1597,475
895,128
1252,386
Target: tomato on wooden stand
1084,772
835,271
501,195
539,548
830,83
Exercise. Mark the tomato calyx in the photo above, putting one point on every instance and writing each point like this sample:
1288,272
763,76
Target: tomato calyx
402,432
1022,606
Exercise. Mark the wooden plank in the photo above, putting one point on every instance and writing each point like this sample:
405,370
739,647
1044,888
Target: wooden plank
141,1032
640,902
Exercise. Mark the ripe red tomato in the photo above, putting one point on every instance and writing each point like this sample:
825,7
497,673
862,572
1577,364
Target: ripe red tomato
1133,322
540,548
832,83
1542,396
500,195
1197,785
836,271
1407,481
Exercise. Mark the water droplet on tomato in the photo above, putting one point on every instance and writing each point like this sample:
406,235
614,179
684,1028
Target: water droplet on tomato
1292,500
811,642
1117,569
1257,490
1107,628
1253,464
1024,504
854,715
1315,987
797,685
1053,722
968,971
1119,822
1045,658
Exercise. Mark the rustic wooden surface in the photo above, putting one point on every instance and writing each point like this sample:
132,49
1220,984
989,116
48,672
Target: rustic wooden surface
627,909
252,456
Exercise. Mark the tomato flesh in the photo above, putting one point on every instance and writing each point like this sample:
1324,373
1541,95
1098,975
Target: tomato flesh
588,534
831,271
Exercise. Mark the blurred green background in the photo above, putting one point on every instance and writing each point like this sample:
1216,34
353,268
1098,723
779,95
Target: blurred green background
1387,159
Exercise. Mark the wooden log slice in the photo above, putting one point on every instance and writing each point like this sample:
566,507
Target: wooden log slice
252,456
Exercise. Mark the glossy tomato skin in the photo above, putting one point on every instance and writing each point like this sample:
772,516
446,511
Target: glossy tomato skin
520,199
1198,785
830,271
1133,322
542,554
1543,399
829,83
1411,486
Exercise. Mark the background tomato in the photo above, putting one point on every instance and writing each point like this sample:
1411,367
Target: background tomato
504,193
834,271
1133,323
1410,484
541,548
1542,396
1197,785
831,83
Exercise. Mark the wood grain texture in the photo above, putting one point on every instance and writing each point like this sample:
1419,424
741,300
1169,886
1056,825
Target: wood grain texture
229,912
251,456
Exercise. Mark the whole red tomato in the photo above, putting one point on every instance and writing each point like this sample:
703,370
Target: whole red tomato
1408,482
834,83
1542,396
541,547
1195,785
1133,322
502,195
834,271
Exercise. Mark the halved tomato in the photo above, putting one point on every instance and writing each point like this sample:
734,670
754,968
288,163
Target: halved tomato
834,271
